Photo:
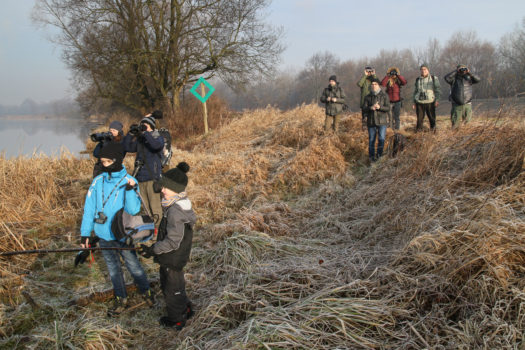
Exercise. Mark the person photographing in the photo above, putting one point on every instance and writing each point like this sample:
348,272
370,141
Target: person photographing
145,140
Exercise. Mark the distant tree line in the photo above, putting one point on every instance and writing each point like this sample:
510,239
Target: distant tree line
501,67
64,107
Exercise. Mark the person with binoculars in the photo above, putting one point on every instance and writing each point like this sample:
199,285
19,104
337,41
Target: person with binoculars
461,81
114,134
427,93
364,84
334,98
109,192
393,81
145,140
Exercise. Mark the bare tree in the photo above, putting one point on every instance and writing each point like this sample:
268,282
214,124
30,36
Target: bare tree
141,53
315,75
512,52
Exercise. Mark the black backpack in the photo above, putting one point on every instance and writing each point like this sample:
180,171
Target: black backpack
166,153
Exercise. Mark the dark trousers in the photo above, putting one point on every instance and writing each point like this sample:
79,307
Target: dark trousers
174,290
430,110
396,111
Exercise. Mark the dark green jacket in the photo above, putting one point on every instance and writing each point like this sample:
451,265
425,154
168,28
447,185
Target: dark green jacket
333,108
364,84
376,117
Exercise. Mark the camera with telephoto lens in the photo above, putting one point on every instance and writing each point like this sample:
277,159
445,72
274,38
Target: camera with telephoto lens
101,136
393,72
422,96
102,218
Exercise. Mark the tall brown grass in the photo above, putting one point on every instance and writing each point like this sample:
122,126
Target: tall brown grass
300,244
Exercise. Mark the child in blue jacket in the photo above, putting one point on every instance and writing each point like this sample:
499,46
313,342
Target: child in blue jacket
109,192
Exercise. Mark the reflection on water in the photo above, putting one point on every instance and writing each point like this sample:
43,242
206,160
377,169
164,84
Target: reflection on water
47,136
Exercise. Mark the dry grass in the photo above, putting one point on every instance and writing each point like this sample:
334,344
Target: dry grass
300,245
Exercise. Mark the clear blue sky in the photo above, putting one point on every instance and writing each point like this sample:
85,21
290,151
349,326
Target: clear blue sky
30,65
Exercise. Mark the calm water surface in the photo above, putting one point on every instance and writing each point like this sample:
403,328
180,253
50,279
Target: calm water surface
42,136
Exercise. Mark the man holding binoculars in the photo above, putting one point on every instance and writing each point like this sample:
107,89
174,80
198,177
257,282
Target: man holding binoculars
146,141
461,81
427,92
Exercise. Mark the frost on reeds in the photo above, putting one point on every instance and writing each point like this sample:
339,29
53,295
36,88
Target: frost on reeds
300,245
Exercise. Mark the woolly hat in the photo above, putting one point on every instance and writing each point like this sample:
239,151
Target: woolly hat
375,80
149,120
112,150
157,114
461,66
333,77
116,125
175,179
424,65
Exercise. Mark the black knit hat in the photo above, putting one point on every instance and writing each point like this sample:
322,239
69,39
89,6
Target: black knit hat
175,179
333,77
113,150
149,120
157,114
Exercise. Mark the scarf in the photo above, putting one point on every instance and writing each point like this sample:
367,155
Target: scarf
166,202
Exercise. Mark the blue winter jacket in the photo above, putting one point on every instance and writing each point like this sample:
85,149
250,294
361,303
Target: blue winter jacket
148,147
110,186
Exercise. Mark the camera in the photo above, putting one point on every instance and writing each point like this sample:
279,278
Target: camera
393,72
102,218
136,129
422,96
101,136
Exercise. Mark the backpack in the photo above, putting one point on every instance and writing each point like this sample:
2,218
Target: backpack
166,153
132,229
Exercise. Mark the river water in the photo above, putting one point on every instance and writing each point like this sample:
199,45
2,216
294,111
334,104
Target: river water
35,136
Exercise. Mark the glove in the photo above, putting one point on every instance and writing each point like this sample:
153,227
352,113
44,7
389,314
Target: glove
83,254
145,251
129,187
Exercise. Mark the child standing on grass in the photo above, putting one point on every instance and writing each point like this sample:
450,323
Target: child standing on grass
173,246
110,191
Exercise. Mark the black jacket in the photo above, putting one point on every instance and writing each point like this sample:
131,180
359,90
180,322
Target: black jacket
148,147
461,87
376,117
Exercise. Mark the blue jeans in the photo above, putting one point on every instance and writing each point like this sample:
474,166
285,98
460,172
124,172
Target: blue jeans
115,269
373,132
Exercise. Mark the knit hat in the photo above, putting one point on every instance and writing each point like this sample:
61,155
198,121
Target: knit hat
175,179
116,125
148,120
375,80
157,114
333,77
424,65
112,150
461,66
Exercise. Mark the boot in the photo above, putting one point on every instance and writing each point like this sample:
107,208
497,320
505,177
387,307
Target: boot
119,305
149,298
166,322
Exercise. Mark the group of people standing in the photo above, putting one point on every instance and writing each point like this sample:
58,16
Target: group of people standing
380,109
163,196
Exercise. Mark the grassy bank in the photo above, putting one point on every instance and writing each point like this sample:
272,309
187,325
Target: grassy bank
300,243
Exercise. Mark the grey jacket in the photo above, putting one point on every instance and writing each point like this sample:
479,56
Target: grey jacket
175,235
